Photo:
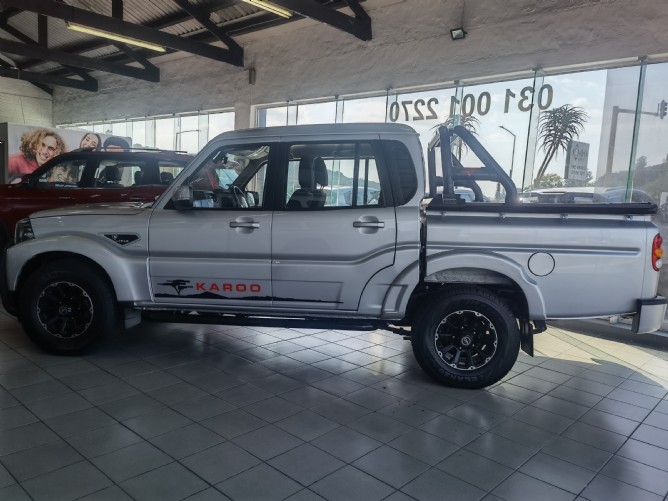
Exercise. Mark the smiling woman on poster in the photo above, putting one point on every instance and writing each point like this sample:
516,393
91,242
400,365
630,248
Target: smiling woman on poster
37,146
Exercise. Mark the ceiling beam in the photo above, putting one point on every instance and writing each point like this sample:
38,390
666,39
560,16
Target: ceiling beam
65,58
41,78
87,18
359,25
203,17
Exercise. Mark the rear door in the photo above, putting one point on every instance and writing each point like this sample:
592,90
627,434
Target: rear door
334,232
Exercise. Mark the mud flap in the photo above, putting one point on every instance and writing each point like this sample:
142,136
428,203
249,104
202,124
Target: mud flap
527,331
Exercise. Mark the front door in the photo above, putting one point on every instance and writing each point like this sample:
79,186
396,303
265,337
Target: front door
217,253
336,229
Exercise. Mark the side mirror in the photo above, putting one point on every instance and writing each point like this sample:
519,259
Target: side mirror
183,197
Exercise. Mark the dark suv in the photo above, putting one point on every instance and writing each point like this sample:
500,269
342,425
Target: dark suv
87,176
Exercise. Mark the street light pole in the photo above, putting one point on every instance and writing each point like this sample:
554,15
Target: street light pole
512,159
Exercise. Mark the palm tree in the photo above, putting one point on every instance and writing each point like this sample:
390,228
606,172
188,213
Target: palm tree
558,127
469,122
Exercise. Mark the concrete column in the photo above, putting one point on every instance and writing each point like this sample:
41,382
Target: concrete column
242,116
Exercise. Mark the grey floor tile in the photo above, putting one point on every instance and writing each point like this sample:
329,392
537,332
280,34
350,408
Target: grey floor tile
338,385
131,407
25,437
40,460
546,420
351,484
131,461
532,383
410,413
657,419
108,392
57,406
13,417
634,398
517,393
637,474
38,391
651,435
167,483
173,394
427,448
78,422
562,407
501,450
341,411
220,462
187,441
645,453
577,453
113,493
306,464
65,484
278,383
622,409
379,427
575,396
589,386
267,442
23,378
346,444
103,440
365,376
306,495
610,422
391,466
476,416
604,488
243,395
475,469
273,409
436,485
201,408
210,494
261,483
557,472
14,493
548,375
233,423
523,433
520,487
5,477
156,423
152,380
307,425
452,430
97,377
592,435
216,381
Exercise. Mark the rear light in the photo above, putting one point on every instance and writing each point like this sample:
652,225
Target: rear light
657,252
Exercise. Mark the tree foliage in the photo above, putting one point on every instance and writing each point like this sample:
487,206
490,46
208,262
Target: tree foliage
557,128
469,122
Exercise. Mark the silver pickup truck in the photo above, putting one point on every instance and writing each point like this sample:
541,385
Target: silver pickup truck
331,225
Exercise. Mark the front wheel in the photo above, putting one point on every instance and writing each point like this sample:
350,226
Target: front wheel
66,307
467,339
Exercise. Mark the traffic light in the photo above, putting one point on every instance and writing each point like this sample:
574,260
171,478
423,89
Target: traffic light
663,106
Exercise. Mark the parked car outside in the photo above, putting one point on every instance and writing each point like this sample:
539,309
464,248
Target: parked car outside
87,176
584,195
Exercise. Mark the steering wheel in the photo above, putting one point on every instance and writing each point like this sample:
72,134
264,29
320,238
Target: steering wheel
239,197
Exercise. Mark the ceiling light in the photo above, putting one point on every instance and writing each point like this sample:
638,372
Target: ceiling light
457,33
270,7
114,36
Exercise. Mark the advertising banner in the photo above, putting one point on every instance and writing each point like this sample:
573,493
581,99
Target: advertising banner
29,147
577,160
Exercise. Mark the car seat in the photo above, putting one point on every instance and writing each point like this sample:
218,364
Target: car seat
312,178
166,177
111,176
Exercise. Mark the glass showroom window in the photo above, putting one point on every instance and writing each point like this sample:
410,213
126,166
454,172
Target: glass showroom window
140,133
164,133
316,113
364,109
219,123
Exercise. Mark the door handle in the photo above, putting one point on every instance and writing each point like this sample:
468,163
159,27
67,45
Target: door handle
368,224
237,224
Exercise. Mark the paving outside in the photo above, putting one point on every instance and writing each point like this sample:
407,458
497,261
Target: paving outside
199,412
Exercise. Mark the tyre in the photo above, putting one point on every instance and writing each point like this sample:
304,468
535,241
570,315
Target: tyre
67,307
467,339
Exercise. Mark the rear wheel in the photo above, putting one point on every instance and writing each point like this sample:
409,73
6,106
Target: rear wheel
468,338
67,307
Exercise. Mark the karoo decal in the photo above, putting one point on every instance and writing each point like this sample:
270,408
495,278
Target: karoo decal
122,238
209,289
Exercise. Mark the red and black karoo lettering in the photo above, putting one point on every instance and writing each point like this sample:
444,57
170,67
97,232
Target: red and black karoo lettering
227,287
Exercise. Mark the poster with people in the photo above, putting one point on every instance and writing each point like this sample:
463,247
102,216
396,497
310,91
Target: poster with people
29,147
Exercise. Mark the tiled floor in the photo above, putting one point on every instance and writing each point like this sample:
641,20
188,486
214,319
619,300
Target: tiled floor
170,412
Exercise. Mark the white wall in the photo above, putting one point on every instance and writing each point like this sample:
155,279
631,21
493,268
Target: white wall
411,46
23,103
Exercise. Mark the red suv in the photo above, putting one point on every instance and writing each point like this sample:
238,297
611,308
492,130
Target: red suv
85,177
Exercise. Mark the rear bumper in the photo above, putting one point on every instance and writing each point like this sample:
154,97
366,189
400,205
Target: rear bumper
651,313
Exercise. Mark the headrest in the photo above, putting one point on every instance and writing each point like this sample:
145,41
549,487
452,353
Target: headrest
112,174
320,171
305,174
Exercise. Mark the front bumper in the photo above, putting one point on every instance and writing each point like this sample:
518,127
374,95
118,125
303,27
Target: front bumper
651,313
